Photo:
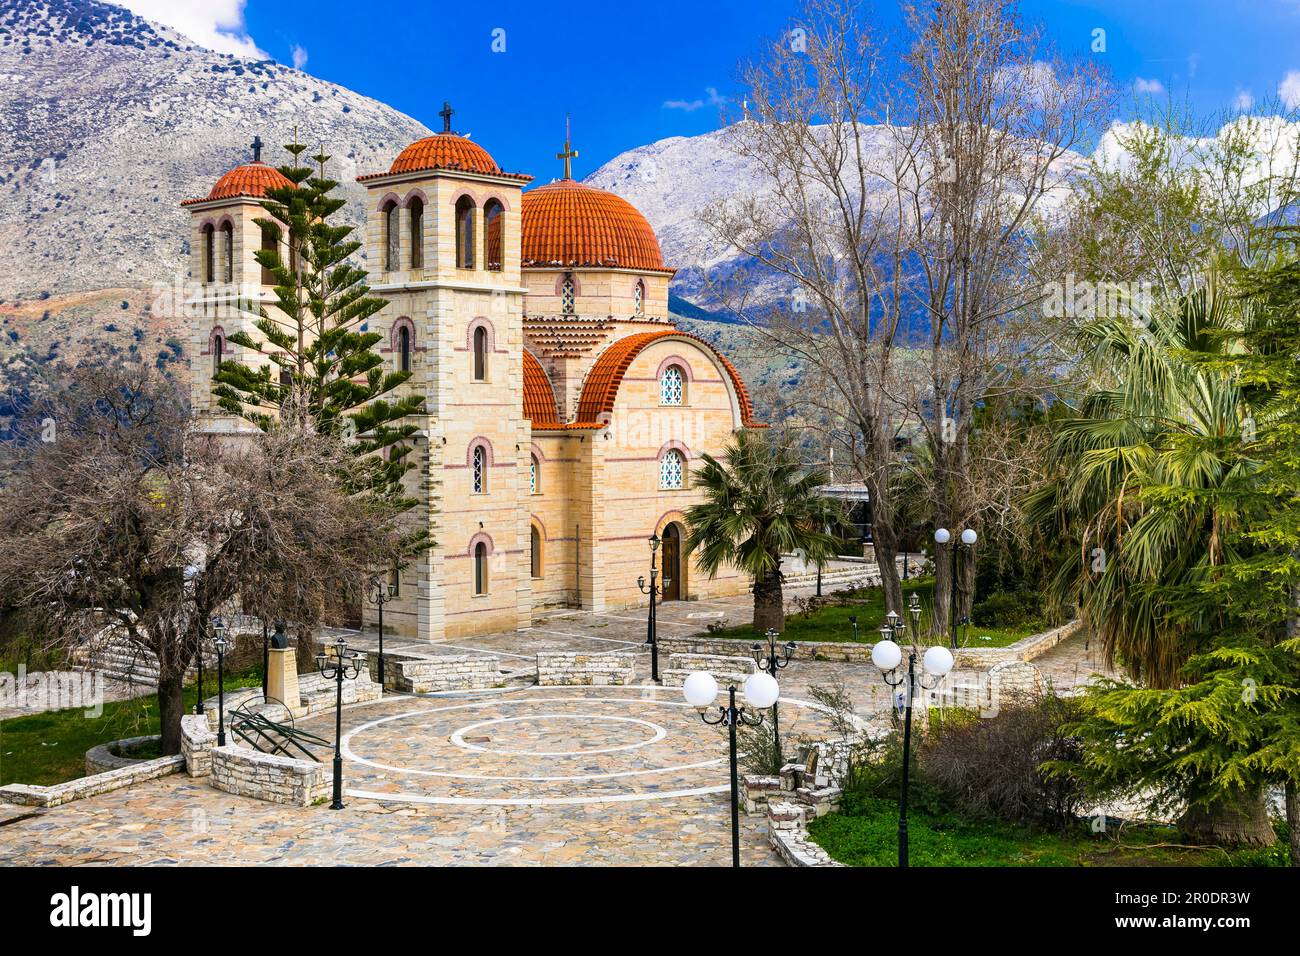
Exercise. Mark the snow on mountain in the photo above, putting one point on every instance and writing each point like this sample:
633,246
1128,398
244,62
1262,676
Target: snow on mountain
107,121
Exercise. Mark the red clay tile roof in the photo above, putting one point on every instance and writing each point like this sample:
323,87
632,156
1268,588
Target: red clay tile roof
600,389
251,179
441,151
539,397
566,223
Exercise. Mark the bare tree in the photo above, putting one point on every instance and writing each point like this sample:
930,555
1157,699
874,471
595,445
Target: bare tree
897,210
117,517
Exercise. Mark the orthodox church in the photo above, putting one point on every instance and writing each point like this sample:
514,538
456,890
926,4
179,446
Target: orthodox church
564,411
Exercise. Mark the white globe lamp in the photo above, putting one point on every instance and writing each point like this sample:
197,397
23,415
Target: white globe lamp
761,690
968,536
700,689
938,660
941,535
886,655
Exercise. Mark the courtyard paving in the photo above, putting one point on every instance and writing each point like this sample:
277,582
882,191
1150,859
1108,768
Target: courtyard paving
516,776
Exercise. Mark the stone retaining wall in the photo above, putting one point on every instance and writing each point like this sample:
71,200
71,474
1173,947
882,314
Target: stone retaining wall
847,652
558,669
421,675
251,773
137,772
100,759
197,741
787,831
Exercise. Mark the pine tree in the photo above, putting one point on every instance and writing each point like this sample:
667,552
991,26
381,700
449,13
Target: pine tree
322,370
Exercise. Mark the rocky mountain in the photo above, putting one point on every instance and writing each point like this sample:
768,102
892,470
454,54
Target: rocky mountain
108,120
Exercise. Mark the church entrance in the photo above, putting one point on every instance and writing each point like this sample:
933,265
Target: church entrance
672,582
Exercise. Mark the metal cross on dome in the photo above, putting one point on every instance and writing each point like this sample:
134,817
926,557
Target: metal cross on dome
257,149
569,152
446,113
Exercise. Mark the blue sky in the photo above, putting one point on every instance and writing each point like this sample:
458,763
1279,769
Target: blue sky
631,73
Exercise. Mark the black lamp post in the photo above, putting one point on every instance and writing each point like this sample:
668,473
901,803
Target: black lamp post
761,691
266,659
653,590
887,655
771,663
343,666
853,619
219,632
381,592
968,538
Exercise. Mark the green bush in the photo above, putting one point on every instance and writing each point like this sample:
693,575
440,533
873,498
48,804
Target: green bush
1008,608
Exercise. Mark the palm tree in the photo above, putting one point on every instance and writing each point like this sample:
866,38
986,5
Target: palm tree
761,503
1134,475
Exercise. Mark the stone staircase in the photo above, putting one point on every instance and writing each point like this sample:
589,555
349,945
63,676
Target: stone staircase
119,660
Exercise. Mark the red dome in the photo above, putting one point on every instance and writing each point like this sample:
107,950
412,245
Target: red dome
445,151
566,223
251,179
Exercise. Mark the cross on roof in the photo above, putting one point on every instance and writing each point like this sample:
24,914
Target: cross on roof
257,149
446,113
569,152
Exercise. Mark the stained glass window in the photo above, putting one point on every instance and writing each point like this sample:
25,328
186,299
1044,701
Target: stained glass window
480,470
672,470
640,297
567,295
532,475
671,386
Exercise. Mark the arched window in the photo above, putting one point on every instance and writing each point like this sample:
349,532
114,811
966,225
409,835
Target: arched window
218,351
672,470
479,469
417,233
465,233
672,386
269,244
638,297
392,236
209,255
534,470
535,563
403,348
480,354
480,568
227,252
494,223
568,295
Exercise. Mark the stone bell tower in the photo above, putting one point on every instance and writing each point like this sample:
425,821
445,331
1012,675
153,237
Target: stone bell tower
442,246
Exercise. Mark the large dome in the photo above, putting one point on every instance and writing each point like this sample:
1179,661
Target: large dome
251,179
566,223
445,151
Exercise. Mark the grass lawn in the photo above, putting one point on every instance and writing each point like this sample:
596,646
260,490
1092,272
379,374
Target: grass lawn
51,747
870,838
831,623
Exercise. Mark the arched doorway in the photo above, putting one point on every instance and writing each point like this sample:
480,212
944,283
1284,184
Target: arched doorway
672,563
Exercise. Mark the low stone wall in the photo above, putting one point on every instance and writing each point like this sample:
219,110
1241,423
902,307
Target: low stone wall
556,669
787,831
101,759
197,741
422,675
137,772
847,652
724,668
251,773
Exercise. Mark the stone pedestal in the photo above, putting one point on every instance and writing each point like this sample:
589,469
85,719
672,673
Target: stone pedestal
282,679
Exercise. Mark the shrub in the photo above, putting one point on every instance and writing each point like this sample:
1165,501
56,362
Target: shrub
994,768
1008,609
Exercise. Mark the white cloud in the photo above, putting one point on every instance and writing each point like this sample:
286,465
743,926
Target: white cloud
216,24
690,106
299,56
1151,87
1289,89
1243,101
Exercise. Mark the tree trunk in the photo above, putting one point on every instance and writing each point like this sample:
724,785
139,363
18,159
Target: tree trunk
885,536
307,649
769,603
171,707
1293,820
1231,822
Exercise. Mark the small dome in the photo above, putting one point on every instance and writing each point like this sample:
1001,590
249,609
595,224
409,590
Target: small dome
567,223
251,179
445,151
539,397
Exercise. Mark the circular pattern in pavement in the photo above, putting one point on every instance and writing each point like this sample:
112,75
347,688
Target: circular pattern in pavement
543,746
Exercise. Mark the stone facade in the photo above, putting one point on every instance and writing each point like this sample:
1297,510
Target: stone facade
558,669
251,773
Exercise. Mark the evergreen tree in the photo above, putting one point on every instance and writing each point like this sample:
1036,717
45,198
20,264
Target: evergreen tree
322,369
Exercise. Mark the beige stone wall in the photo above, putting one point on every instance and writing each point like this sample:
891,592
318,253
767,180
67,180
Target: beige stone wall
599,292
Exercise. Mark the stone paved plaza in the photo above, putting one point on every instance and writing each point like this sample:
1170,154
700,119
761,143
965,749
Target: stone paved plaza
520,775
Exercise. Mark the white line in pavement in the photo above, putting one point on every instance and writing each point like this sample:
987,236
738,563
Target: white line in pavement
585,637
639,620
479,650
533,801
